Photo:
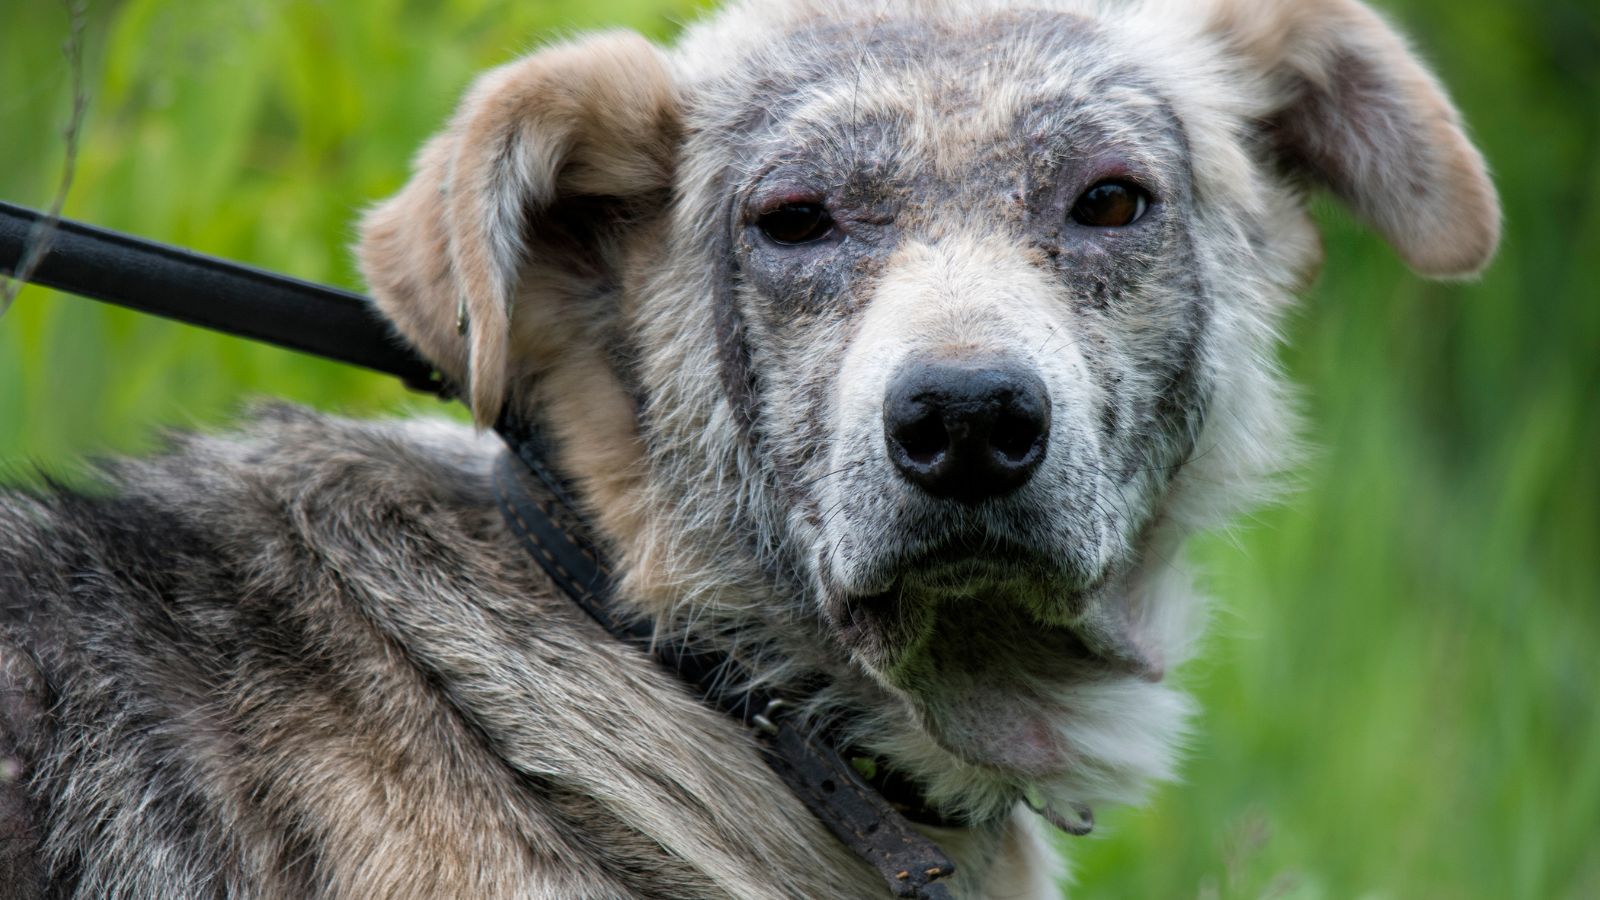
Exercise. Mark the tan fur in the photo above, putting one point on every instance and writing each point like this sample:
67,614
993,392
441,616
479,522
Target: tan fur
1392,144
398,817
590,118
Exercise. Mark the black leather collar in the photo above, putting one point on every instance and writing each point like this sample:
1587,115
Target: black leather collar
538,506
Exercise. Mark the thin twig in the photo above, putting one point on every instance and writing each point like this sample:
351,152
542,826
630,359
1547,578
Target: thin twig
43,231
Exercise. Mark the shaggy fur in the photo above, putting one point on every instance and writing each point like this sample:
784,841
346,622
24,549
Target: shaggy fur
307,659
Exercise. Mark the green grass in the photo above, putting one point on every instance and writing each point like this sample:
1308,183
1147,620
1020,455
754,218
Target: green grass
1400,691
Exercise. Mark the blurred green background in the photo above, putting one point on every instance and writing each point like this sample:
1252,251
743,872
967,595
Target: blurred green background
1400,689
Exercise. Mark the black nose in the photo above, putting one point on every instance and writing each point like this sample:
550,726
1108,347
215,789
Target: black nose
967,431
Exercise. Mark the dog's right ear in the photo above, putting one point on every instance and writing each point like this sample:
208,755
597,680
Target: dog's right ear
445,257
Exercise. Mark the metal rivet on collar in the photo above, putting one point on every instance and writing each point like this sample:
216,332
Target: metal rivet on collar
763,720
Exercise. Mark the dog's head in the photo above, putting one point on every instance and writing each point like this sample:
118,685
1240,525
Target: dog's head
909,338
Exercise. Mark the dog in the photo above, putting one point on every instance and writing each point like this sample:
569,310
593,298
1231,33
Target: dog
894,346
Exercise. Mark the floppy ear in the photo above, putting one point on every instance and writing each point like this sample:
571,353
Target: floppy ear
1358,112
492,217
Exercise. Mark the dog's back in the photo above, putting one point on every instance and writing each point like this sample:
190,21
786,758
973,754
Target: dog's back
306,659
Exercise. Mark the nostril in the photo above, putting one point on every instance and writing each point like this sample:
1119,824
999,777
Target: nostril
923,437
1015,435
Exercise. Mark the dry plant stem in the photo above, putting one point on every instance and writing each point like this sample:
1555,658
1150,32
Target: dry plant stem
44,230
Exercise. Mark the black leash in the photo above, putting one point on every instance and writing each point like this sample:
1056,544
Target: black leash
213,293
536,501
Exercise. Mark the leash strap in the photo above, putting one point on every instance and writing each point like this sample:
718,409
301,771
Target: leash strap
537,506
213,293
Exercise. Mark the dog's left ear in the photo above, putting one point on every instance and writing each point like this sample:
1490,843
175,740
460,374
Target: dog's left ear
510,206
1358,112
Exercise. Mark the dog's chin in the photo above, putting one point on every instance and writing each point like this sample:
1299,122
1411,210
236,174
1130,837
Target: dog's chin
987,685
989,665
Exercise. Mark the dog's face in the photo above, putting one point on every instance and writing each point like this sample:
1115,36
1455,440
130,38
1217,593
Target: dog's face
971,296
925,332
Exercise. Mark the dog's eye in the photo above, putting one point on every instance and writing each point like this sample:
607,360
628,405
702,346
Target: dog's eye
1111,204
796,223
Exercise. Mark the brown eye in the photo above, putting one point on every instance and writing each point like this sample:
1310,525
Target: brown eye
796,223
1111,204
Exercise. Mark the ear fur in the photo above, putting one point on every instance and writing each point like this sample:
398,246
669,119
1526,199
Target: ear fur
594,118
1359,113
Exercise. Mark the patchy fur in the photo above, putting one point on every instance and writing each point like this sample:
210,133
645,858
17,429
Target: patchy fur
307,659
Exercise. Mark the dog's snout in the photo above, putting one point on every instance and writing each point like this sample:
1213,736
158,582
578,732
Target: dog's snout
967,430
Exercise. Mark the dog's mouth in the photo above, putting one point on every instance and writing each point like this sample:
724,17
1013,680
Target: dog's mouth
989,652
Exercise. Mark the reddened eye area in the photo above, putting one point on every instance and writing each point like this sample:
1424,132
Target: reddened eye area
1111,204
798,222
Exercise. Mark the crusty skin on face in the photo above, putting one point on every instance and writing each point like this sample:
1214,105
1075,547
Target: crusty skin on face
306,659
